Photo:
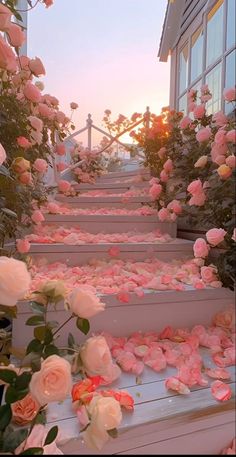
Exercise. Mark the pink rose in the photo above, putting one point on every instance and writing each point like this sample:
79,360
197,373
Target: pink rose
155,191
224,171
36,137
195,187
26,178
20,165
53,382
53,208
200,248
175,206
25,410
197,199
32,93
3,155
37,217
16,36
173,383
219,160
37,439
199,111
60,117
40,165
36,66
230,94
225,319
220,119
231,136
164,176
74,105
96,358
60,149
201,162
63,186
15,281
164,215
203,134
162,152
168,166
231,161
23,142
208,274
5,17
185,122
61,166
234,235
22,246
45,111
220,137
215,236
36,123
84,303
7,57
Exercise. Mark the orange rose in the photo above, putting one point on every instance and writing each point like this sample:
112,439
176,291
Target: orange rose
25,410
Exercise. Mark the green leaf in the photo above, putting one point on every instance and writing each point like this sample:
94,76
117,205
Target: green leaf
23,381
5,416
10,311
34,346
4,171
52,324
41,418
12,395
51,436
83,325
35,320
33,451
113,433
33,359
9,212
37,307
8,376
14,439
40,332
50,350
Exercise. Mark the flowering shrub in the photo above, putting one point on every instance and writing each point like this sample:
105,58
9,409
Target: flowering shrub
193,163
92,164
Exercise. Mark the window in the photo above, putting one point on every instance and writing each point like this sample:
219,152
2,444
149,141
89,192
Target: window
183,69
196,53
231,14
213,79
214,33
207,55
230,76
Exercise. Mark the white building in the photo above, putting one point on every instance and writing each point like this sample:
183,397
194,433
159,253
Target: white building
199,35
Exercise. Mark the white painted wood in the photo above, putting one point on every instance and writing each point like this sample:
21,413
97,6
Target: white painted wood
113,223
105,201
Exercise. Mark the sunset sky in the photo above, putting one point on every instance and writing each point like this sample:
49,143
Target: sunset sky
101,54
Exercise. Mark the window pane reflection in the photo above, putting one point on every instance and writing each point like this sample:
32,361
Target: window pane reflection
230,77
183,69
231,14
213,79
214,33
196,53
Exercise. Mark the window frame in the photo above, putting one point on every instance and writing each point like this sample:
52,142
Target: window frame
201,20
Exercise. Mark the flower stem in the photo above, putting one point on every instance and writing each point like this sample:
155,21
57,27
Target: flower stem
62,325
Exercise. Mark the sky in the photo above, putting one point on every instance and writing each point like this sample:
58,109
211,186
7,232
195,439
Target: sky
101,54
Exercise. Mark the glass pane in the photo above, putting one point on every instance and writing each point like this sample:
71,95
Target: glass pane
183,69
214,33
196,53
183,104
213,79
231,33
230,77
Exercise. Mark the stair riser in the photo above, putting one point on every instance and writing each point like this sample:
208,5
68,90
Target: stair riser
107,186
125,318
124,174
112,224
82,204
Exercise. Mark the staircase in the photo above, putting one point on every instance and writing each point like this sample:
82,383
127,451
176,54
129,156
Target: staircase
163,422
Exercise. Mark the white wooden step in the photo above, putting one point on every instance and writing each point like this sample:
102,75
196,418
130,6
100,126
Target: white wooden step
152,312
113,223
162,422
104,201
116,186
82,253
143,172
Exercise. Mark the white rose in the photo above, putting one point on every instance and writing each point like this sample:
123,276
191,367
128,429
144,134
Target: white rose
3,155
96,358
105,415
15,281
84,303
55,289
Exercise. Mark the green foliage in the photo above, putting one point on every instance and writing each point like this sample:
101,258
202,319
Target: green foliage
83,325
